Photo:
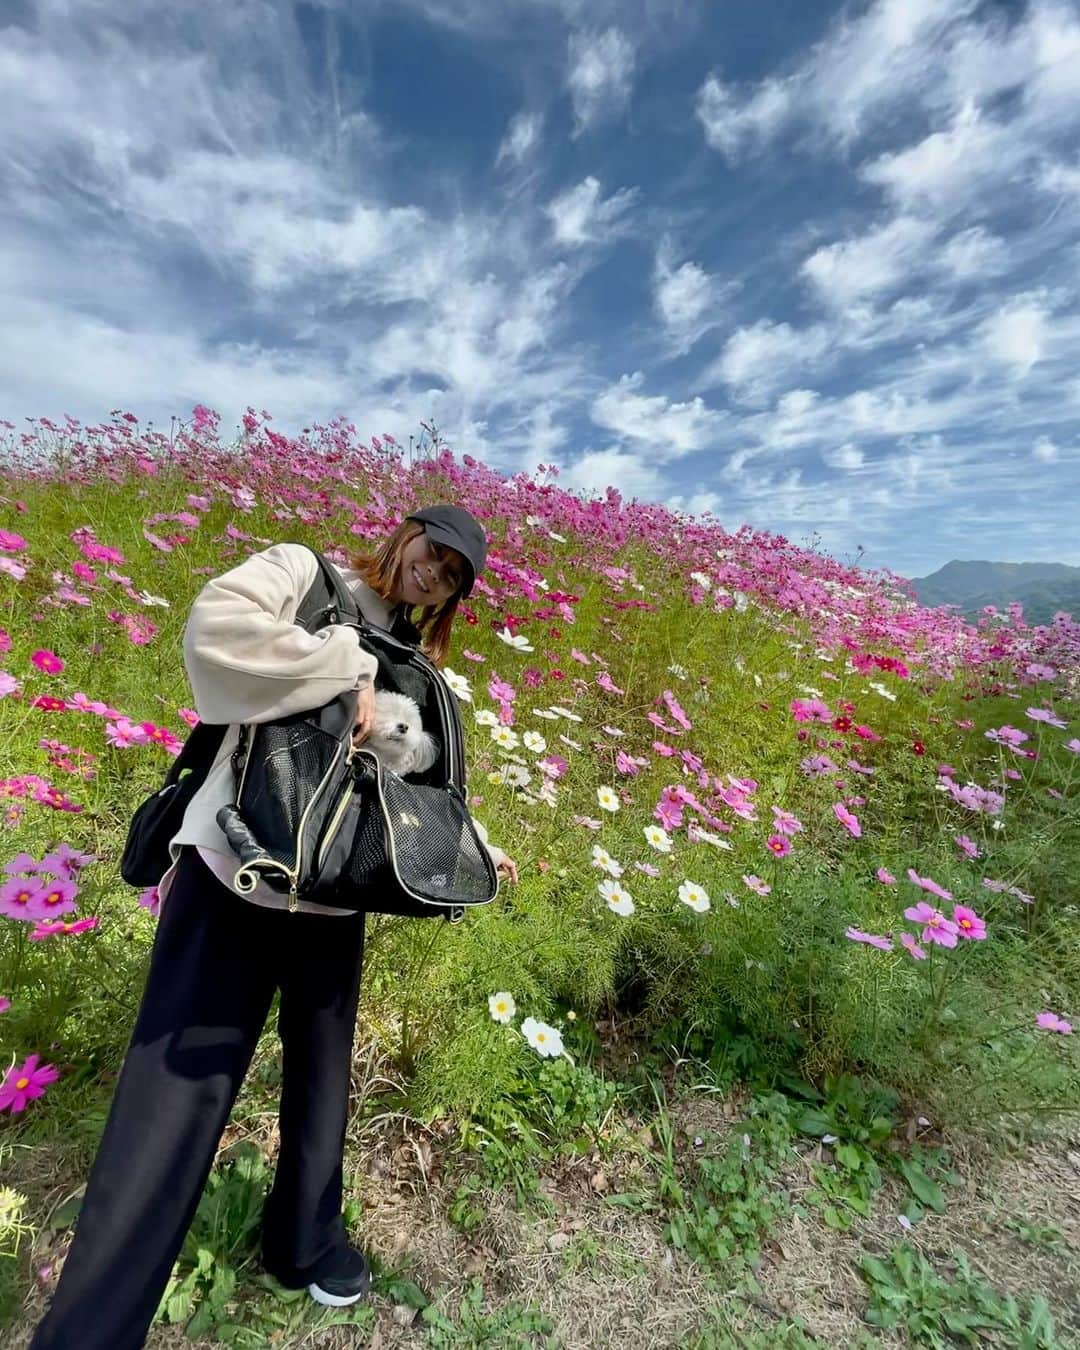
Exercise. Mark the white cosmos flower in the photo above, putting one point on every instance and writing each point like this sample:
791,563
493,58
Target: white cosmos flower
535,742
545,1040
485,718
533,520
678,671
459,685
546,713
617,898
602,858
697,835
148,599
690,893
565,712
809,689
561,538
515,776
504,737
879,688
496,778
502,1007
658,838
702,580
518,641
567,741
607,798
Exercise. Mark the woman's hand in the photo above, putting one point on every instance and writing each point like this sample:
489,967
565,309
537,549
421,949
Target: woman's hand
365,713
507,868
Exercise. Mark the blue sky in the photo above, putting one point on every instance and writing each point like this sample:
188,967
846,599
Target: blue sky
808,266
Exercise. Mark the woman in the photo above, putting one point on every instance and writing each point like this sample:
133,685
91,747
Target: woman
218,957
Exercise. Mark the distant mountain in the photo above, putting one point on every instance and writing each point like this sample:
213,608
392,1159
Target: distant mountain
1042,588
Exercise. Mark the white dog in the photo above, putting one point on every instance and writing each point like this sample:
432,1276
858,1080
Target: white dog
398,739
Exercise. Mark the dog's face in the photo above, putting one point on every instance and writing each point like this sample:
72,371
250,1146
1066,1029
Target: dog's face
398,738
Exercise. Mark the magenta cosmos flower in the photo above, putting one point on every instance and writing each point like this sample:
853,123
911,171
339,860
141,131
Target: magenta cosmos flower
1048,1021
886,878
778,844
849,822
25,1082
936,927
968,923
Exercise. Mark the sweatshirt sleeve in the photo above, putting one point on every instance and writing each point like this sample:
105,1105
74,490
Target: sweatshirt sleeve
246,658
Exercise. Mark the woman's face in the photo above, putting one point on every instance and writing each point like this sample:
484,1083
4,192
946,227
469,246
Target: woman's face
430,573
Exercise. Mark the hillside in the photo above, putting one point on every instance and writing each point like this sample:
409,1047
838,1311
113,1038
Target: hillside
1042,588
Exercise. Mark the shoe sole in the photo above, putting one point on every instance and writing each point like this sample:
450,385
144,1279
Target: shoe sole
320,1295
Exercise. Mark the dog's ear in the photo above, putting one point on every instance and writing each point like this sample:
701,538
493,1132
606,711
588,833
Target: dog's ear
425,753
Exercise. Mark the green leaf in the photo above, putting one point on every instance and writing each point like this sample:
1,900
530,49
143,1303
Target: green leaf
925,1190
849,1156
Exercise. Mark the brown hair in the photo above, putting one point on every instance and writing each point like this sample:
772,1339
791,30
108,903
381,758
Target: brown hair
382,572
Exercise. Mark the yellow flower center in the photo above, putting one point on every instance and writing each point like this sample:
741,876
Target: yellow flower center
541,1037
965,923
21,1083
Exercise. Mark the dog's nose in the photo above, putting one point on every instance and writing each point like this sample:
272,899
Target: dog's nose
402,728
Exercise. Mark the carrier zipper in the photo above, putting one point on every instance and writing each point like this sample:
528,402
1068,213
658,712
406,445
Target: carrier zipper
293,873
335,820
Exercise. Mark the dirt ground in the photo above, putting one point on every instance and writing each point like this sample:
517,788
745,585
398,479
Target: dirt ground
605,1277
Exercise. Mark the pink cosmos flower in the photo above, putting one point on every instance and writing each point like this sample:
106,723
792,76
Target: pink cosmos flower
149,899
784,822
968,923
913,947
1048,1021
648,869
756,884
886,878
51,664
1073,745
25,1082
928,885
871,939
969,846
45,930
845,817
1045,715
937,928
588,822
778,844
58,897
21,899
5,1004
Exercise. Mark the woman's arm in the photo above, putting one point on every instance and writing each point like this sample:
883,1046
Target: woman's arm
246,658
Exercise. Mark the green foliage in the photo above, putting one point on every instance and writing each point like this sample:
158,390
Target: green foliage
722,1199
907,1292
475,1328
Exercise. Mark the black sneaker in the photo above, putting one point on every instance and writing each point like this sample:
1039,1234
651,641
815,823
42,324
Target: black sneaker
345,1282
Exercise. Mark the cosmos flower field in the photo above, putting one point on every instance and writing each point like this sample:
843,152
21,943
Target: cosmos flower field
754,794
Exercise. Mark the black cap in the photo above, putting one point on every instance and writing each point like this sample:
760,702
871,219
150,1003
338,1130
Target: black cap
455,527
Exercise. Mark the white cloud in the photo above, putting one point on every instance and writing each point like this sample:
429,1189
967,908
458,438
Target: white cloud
870,264
862,66
668,429
764,356
731,126
600,75
1015,336
582,216
845,457
522,138
1045,450
596,470
687,299
974,253
953,168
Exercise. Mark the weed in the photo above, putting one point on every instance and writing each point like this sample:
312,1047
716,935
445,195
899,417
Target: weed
477,1329
906,1291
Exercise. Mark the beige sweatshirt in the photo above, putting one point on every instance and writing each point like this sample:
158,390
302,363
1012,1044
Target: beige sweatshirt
248,661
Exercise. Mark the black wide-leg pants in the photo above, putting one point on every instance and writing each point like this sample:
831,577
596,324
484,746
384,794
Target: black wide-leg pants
217,960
